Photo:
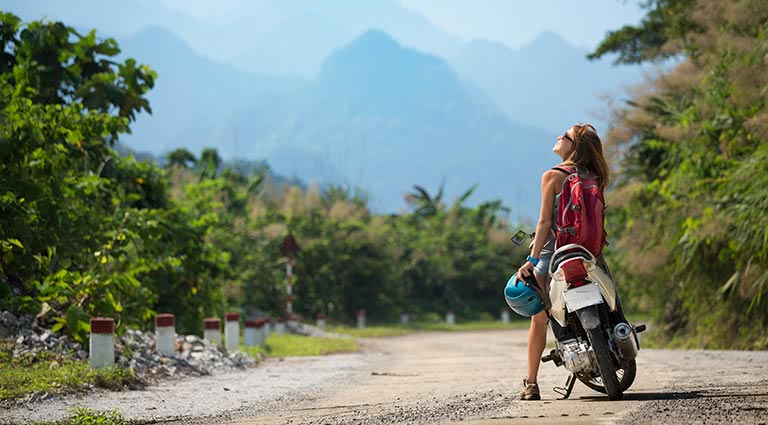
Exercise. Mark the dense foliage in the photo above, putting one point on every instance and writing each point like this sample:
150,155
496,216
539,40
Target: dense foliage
689,215
87,231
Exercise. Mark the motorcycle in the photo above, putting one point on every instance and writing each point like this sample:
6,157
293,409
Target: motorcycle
595,342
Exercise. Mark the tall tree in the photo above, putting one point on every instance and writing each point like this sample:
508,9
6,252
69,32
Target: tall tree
662,33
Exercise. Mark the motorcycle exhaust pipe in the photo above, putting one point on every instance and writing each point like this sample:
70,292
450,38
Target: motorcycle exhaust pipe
625,341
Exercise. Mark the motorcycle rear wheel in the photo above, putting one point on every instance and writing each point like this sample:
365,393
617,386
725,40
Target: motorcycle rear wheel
605,364
625,376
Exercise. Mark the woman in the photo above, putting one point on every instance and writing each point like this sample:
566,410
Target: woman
579,148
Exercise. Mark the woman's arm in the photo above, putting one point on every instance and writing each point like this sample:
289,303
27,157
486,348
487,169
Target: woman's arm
544,226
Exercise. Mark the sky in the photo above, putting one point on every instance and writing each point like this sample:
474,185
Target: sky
513,22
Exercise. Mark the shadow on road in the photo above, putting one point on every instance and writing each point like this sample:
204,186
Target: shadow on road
651,396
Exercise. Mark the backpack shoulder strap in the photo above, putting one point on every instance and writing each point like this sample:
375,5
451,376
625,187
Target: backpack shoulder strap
566,171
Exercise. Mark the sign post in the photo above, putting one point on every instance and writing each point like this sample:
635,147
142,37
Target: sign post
289,248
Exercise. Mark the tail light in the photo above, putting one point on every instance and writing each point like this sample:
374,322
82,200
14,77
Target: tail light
578,283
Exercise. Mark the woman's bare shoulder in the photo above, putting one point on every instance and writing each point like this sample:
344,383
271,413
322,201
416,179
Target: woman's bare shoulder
553,178
552,174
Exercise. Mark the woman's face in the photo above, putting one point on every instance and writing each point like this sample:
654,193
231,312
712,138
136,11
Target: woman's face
564,145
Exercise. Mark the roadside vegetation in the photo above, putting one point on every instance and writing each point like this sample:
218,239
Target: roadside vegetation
54,374
379,331
288,345
687,211
86,416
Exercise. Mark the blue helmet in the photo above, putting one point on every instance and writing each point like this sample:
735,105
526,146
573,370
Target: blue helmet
521,296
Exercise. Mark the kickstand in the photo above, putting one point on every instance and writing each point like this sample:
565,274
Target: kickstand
566,391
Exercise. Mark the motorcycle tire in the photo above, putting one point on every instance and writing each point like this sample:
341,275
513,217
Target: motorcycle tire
625,375
605,364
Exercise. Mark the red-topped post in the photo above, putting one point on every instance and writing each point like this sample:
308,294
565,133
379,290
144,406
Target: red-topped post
289,248
280,326
320,320
261,331
232,331
102,343
361,319
165,334
212,331
249,334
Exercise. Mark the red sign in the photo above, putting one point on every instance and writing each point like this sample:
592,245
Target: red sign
289,246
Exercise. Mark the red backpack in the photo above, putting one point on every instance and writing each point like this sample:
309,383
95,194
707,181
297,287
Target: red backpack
580,212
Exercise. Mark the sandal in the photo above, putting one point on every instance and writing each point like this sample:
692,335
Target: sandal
530,391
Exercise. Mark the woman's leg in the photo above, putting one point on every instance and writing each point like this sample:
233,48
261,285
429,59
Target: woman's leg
537,339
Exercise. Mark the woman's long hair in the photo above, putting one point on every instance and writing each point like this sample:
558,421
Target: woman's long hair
588,152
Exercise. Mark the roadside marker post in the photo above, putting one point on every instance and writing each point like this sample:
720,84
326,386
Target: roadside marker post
361,319
261,331
320,320
450,318
250,334
165,334
280,326
212,330
289,248
404,318
293,321
232,331
505,315
102,342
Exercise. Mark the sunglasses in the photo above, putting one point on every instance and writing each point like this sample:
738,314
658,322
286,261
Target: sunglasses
566,136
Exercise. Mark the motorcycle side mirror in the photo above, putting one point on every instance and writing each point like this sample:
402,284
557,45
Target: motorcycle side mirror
520,237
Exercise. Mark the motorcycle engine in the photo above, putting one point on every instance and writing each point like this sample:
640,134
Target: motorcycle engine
577,355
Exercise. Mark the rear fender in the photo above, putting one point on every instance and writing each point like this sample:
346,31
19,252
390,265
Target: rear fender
589,317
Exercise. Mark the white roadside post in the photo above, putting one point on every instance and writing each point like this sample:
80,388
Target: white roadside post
280,326
102,344
450,318
505,315
261,331
361,319
293,323
212,331
268,328
404,318
320,320
289,248
250,334
165,333
232,331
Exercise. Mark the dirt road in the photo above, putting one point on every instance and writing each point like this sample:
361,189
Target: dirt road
448,378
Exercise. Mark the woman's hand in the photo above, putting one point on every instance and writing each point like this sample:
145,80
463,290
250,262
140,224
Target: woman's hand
525,270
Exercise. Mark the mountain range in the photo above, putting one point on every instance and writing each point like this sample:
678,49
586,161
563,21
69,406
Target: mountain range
546,83
386,117
363,93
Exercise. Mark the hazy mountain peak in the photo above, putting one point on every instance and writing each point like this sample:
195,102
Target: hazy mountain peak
376,48
548,41
375,39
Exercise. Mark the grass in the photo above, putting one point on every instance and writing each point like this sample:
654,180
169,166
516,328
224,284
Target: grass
46,372
86,416
396,330
287,345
